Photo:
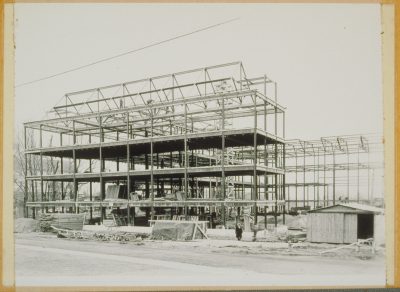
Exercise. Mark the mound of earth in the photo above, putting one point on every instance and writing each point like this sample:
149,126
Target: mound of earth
298,222
24,225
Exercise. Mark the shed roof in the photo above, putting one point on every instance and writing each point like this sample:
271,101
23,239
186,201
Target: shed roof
349,208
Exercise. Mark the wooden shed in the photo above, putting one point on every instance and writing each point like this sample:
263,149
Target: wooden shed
344,223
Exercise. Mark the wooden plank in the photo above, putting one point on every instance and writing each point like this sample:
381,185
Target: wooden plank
350,228
194,231
202,231
310,219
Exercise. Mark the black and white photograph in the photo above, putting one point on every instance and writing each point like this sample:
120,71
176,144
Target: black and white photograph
200,145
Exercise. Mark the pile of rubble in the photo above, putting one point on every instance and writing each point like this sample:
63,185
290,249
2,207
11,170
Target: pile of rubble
101,236
119,236
45,222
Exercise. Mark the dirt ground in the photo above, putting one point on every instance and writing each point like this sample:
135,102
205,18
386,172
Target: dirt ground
44,259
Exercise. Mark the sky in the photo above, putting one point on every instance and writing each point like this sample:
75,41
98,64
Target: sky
326,58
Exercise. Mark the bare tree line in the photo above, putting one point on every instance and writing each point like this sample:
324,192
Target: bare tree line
25,165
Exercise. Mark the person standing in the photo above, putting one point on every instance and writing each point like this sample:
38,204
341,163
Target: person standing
239,231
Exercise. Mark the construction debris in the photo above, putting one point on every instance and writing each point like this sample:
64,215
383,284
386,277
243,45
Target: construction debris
100,236
355,245
45,222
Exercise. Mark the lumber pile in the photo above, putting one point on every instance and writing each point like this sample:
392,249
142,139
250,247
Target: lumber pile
61,220
116,192
178,230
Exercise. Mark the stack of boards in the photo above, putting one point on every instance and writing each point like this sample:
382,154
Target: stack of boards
179,230
63,221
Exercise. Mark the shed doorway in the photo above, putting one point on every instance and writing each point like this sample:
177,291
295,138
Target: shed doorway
365,226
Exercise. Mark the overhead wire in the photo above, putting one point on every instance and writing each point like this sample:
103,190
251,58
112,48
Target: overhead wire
126,53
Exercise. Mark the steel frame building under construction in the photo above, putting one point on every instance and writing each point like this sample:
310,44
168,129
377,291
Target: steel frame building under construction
208,140
333,169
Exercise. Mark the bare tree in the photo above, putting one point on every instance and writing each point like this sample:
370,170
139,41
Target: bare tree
25,165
